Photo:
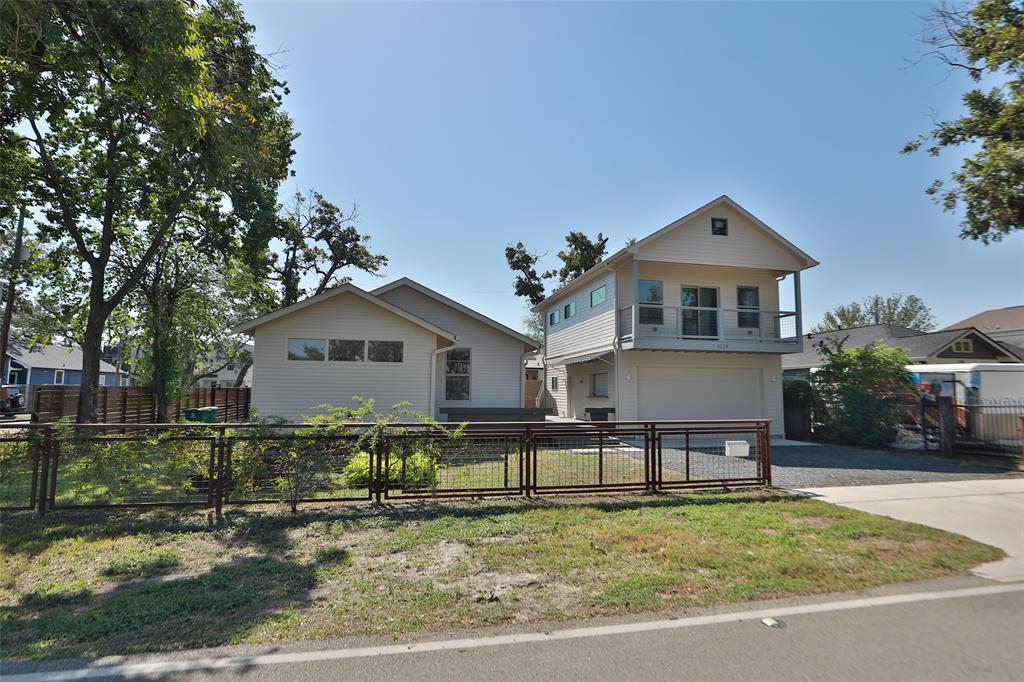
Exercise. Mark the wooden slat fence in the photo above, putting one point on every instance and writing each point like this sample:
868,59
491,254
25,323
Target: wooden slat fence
137,404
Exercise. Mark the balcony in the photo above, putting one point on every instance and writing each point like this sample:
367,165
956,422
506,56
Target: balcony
709,329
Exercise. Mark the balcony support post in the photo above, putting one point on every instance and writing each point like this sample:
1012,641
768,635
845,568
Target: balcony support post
799,307
634,274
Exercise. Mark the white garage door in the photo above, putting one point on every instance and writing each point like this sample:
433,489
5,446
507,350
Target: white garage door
705,393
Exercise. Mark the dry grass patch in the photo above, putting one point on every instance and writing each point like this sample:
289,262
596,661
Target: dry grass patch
93,583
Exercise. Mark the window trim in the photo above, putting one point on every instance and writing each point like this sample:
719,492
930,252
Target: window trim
741,309
966,346
593,388
554,317
604,292
570,306
385,362
288,352
639,285
468,375
683,307
102,380
554,383
724,224
59,373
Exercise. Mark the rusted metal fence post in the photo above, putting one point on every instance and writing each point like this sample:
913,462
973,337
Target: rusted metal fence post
219,499
947,425
376,481
44,472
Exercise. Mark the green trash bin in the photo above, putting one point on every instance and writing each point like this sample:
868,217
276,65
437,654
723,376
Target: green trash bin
207,415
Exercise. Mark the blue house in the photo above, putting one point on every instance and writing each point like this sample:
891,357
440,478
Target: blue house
51,365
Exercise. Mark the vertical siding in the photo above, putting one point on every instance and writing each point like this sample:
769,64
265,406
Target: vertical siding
591,328
291,389
746,245
496,359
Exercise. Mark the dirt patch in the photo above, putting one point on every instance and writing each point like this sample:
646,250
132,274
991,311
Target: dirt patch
888,545
810,521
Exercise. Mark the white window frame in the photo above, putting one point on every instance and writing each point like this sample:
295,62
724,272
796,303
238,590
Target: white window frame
593,385
554,383
699,308
468,375
102,380
725,227
741,309
58,373
965,346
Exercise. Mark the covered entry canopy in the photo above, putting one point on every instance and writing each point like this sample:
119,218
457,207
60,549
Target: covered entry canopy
579,359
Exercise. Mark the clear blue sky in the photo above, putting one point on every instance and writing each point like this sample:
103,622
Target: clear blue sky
459,128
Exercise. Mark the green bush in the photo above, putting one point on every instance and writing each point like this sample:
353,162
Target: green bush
420,471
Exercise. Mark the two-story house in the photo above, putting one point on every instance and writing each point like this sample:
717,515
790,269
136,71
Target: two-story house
686,323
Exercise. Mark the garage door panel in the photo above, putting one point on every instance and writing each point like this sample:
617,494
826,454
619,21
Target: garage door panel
704,393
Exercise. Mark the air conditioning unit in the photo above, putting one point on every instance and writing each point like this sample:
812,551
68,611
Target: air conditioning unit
737,448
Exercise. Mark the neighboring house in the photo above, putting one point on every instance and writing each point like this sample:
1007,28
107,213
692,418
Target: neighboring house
1005,325
534,379
948,346
682,324
399,343
51,365
227,374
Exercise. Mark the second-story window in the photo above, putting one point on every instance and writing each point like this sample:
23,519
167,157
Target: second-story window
598,296
570,309
748,301
554,317
700,311
651,297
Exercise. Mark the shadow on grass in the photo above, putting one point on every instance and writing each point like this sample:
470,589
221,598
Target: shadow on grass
214,608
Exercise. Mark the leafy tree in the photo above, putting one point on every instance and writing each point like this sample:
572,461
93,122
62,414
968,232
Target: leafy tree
529,283
904,311
319,239
131,115
987,38
581,254
860,389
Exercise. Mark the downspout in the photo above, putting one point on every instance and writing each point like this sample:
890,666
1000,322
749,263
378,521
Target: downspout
433,375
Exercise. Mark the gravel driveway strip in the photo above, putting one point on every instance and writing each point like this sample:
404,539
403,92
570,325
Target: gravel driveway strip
827,465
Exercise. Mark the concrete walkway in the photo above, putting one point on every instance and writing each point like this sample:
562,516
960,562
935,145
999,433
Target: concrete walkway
989,511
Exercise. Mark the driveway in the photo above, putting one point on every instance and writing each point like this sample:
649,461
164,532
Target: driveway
806,466
988,511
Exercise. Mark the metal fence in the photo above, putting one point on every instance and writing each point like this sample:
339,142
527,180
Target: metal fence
987,427
47,467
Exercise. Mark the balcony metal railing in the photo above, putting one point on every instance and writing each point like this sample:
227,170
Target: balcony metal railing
709,324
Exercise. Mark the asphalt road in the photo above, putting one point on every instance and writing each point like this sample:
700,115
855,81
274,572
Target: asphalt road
932,637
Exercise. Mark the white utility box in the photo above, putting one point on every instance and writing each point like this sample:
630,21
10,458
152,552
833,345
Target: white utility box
737,448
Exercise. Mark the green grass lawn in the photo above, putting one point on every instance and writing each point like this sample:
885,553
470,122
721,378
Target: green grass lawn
102,582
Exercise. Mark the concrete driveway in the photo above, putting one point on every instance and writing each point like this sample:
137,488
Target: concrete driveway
988,510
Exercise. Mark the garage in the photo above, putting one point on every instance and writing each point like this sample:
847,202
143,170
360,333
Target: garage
700,393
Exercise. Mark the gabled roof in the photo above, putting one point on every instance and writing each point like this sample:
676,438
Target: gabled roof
337,291
52,357
622,253
995,320
441,298
917,344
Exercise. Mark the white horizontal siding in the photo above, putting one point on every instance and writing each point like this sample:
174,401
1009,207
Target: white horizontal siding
674,276
591,328
579,384
746,245
496,359
290,389
556,398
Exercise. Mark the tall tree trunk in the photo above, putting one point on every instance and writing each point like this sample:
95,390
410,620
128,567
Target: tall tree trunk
92,351
159,378
242,371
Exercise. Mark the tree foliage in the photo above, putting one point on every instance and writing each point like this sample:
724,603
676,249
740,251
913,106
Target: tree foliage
986,39
319,240
581,254
859,389
126,118
904,311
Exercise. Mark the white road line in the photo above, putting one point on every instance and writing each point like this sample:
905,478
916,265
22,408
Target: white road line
182,666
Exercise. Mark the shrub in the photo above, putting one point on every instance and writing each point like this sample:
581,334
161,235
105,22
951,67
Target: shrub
420,471
860,389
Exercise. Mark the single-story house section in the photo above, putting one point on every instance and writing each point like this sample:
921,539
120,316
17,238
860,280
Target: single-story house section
967,345
42,365
399,343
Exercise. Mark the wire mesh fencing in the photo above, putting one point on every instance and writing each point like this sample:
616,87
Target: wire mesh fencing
66,466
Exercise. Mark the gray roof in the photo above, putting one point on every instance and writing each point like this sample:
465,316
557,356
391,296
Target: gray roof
998,319
917,344
53,357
